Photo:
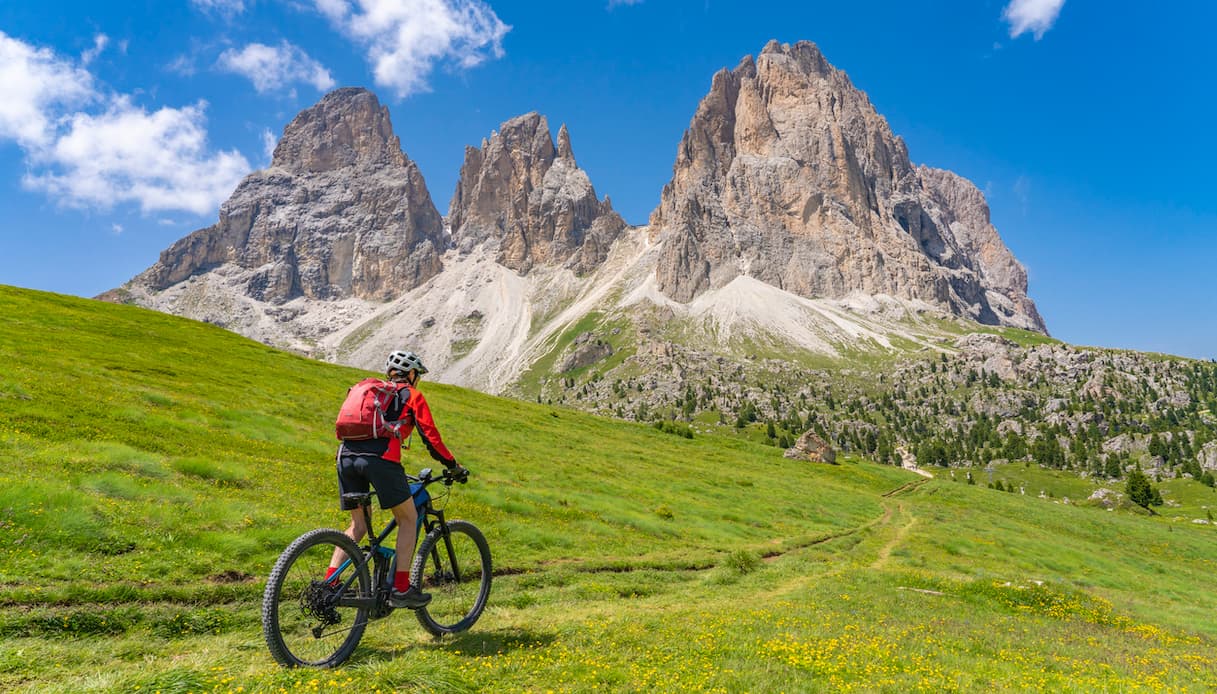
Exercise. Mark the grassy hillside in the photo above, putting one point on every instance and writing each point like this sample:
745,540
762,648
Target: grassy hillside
153,468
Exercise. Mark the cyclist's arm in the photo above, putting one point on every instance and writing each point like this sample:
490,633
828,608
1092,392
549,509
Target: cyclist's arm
427,431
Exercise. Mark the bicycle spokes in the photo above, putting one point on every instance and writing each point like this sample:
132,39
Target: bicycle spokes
455,568
308,620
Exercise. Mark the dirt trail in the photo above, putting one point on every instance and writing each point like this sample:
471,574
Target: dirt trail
901,533
909,462
892,513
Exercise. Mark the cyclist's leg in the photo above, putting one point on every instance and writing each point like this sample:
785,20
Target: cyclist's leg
407,528
356,530
351,479
393,490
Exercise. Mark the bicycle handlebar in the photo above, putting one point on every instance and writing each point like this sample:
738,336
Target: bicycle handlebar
447,477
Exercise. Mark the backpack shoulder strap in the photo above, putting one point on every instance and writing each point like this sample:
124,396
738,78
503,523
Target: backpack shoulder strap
404,392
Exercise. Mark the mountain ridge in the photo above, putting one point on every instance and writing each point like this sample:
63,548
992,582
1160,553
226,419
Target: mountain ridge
530,198
304,255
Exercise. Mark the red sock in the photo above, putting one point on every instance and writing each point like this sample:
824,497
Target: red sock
330,572
401,581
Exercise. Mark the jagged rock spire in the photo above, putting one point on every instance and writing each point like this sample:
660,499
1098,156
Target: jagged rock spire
564,150
531,199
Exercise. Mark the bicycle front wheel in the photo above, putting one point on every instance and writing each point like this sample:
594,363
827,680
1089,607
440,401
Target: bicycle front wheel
304,618
455,569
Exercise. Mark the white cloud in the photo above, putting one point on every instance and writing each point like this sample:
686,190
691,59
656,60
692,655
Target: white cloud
405,39
227,8
36,85
1022,191
158,160
183,66
116,228
269,141
619,3
1036,16
88,148
271,68
99,44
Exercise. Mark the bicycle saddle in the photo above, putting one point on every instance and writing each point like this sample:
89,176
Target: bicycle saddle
358,498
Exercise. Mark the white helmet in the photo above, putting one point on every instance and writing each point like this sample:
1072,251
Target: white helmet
403,361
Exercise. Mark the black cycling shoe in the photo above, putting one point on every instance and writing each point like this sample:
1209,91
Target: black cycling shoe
412,598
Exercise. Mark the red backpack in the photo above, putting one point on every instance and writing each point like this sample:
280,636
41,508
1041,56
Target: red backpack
363,412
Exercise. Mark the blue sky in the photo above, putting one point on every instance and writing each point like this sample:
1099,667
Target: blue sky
1088,125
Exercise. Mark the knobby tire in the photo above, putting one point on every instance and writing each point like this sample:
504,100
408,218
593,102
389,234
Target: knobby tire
455,605
301,625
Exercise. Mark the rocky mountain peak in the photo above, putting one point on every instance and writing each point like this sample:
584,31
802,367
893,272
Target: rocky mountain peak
530,198
348,127
788,174
805,53
341,212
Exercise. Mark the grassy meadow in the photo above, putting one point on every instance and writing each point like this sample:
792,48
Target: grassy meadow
153,468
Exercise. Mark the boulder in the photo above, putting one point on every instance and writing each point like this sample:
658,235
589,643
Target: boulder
812,447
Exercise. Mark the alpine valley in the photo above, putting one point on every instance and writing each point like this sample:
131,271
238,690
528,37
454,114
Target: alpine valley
800,276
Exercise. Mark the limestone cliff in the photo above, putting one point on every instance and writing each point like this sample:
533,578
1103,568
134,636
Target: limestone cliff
787,174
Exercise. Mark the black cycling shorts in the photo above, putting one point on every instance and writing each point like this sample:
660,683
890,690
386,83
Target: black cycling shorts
388,478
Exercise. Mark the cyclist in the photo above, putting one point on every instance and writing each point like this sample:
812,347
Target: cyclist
378,461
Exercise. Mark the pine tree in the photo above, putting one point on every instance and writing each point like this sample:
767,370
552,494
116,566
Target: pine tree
1155,447
1141,492
1047,451
1077,451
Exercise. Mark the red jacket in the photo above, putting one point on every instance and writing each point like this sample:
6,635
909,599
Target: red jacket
407,412
416,414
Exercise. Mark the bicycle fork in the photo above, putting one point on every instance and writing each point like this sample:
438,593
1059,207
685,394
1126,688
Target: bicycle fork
453,567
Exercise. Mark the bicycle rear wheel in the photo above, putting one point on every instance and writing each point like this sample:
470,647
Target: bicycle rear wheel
456,572
303,618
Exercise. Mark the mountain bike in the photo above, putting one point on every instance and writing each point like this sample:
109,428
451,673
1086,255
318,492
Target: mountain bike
311,621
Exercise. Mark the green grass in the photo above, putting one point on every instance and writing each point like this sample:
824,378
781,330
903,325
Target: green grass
153,469
960,327
1187,500
530,381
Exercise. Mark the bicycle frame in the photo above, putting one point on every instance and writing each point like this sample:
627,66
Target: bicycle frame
382,558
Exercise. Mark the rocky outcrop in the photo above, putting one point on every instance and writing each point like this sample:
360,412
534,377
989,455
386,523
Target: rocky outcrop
1208,456
520,191
1104,497
960,207
811,447
340,212
788,174
585,351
